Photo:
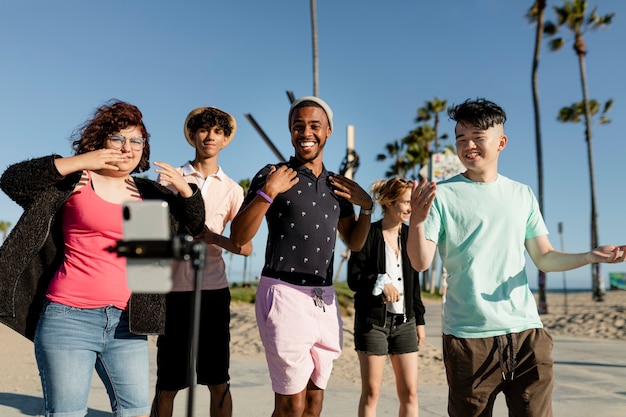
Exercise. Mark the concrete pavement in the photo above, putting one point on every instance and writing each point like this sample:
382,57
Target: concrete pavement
590,381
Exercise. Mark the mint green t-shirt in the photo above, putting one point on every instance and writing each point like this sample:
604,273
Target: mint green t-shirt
480,230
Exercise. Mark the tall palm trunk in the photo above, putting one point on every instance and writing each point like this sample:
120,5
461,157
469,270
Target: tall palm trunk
581,50
541,6
315,59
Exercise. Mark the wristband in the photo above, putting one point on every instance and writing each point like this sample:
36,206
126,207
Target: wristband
366,212
265,196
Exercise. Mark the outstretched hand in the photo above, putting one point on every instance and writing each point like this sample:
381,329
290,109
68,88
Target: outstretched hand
608,254
351,191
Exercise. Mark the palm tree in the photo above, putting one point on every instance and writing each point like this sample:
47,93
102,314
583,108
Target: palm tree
430,133
396,152
413,151
576,112
536,15
573,16
4,228
431,111
245,184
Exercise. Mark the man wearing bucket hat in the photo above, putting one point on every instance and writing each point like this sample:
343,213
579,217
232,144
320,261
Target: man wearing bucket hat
296,305
208,130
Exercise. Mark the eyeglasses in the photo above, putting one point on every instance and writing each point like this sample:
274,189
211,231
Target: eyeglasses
118,142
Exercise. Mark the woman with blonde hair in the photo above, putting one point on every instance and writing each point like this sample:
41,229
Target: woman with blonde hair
389,313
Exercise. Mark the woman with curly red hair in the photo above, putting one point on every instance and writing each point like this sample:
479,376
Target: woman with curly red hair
63,288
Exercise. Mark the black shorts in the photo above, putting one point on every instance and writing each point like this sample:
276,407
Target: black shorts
213,340
395,338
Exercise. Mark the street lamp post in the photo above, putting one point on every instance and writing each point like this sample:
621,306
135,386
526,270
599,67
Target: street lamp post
564,280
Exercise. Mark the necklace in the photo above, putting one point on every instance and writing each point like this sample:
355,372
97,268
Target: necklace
394,244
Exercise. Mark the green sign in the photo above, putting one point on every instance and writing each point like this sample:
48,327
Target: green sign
617,280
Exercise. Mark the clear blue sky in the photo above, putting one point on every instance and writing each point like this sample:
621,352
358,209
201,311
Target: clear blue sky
378,63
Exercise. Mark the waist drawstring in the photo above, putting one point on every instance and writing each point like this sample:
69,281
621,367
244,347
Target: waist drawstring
512,364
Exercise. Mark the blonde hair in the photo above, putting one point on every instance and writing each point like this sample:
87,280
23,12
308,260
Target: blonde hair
387,192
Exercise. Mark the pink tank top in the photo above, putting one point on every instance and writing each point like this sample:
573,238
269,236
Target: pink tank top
90,276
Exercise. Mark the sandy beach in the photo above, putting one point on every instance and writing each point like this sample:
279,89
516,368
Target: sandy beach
584,318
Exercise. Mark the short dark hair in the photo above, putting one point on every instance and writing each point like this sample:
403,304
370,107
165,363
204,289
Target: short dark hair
480,113
110,118
209,118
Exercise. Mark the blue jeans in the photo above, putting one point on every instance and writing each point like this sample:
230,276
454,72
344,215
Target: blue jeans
70,342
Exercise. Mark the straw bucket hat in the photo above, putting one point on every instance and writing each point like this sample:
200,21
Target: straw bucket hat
233,124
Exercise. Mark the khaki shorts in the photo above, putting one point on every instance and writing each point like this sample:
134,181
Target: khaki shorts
301,338
519,365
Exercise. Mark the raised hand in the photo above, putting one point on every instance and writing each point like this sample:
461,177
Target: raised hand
422,198
92,161
171,175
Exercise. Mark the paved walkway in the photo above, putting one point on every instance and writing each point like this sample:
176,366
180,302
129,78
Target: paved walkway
590,381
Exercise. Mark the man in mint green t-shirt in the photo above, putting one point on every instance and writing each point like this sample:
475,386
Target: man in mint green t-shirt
483,223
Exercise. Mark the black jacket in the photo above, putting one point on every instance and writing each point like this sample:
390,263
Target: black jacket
363,269
33,251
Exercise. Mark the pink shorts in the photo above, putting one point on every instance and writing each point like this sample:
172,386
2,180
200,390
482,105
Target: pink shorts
302,337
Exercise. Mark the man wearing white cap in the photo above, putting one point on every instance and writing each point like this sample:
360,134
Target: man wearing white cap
208,130
296,305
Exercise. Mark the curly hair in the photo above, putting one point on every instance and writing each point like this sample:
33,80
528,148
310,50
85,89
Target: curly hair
110,118
480,113
209,118
387,192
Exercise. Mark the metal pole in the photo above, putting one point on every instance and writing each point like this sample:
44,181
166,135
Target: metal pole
432,271
267,140
198,257
350,151
564,280
245,268
349,173
316,88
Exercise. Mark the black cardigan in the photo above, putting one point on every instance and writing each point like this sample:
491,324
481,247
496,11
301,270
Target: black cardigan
34,249
363,269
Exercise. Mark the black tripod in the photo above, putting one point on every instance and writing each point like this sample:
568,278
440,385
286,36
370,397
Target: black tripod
182,247
198,257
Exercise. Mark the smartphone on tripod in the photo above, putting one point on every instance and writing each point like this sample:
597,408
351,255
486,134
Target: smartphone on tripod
147,220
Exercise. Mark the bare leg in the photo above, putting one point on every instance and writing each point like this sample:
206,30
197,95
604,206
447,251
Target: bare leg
221,400
163,403
405,369
372,367
306,403
314,400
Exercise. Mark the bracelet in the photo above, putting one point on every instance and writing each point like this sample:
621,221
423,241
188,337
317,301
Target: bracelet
265,196
366,212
